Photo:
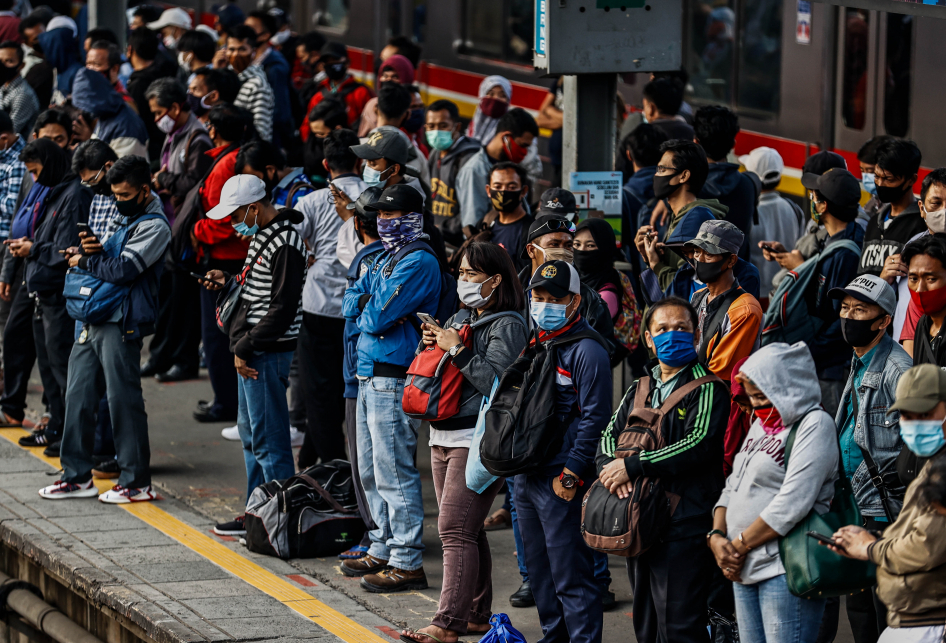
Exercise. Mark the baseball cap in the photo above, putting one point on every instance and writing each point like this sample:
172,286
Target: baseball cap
718,238
208,30
238,191
920,389
547,224
557,201
391,144
837,186
558,277
333,50
398,197
175,17
765,162
822,162
63,22
871,290
370,195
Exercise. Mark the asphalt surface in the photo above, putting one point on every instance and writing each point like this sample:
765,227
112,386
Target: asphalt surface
192,463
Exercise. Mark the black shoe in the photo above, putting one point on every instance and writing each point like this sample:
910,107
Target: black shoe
106,469
207,414
204,404
52,451
148,369
523,596
232,528
608,601
176,374
38,439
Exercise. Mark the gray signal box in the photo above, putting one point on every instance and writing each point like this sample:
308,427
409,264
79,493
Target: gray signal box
608,36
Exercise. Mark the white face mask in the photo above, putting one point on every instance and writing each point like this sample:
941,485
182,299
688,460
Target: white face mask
280,37
936,221
183,61
166,124
471,295
170,42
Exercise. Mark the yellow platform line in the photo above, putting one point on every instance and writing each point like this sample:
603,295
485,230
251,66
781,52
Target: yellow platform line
282,590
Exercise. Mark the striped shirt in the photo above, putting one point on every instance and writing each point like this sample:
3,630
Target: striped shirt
256,96
257,291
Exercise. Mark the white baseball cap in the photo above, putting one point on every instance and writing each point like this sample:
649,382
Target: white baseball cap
209,31
175,17
239,190
765,162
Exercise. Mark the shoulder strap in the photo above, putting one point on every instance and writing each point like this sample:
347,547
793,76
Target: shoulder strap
716,322
326,496
875,478
642,393
790,441
492,317
296,188
843,244
682,391
246,271
413,246
190,139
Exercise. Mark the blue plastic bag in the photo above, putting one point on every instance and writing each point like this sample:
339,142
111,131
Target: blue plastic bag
478,479
502,631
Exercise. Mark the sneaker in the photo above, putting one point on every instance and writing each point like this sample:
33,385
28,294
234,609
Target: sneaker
231,433
367,564
59,490
38,439
394,580
296,437
106,469
233,528
119,495
52,451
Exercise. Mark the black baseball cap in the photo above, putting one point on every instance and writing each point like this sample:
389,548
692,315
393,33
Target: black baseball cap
557,201
370,195
822,162
557,277
838,186
333,50
398,197
391,144
547,224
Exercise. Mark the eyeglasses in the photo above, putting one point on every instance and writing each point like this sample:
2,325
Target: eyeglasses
557,225
88,184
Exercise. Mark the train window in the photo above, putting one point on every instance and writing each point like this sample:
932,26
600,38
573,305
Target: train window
897,80
416,15
333,14
759,58
854,73
712,35
501,29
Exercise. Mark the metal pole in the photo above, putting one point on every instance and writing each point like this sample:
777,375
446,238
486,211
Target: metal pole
589,125
44,617
829,75
109,14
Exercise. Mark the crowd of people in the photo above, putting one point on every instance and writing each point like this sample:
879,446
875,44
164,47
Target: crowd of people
331,234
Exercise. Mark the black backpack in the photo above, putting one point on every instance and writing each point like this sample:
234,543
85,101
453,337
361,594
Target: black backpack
310,515
522,431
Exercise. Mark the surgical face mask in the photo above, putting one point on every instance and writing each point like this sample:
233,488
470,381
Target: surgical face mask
471,293
336,71
867,181
922,437
556,254
166,124
674,348
936,221
440,139
183,61
131,207
506,201
548,316
373,178
170,42
245,230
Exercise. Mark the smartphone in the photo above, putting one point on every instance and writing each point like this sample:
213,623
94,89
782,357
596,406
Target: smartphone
84,227
203,279
766,246
427,319
821,538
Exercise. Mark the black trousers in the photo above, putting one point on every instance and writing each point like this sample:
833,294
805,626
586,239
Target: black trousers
54,334
670,583
177,333
220,368
321,356
19,354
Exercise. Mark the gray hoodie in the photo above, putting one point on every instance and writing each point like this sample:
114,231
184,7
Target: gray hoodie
759,485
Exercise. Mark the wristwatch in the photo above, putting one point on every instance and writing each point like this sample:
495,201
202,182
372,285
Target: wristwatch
456,349
569,481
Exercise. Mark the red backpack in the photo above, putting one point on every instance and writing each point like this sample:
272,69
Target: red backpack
432,389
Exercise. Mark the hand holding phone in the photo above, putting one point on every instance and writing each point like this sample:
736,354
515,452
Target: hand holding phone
825,540
203,279
427,319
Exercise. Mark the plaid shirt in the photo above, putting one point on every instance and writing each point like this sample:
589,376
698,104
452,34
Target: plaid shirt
19,100
100,215
12,172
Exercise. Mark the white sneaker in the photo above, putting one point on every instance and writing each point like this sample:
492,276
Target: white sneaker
296,437
119,495
231,433
60,490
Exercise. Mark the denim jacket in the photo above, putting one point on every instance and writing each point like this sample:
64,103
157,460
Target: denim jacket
882,435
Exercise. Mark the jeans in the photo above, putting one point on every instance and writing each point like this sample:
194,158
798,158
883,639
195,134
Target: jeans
351,432
391,480
768,613
467,594
516,535
106,361
263,420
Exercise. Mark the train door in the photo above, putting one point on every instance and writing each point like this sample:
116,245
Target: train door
874,76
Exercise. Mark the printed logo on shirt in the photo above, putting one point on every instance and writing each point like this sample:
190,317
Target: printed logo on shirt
769,444
444,198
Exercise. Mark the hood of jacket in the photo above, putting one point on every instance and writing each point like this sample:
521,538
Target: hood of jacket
719,210
773,365
462,146
62,52
91,92
722,179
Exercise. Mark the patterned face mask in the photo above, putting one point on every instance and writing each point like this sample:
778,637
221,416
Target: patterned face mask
397,233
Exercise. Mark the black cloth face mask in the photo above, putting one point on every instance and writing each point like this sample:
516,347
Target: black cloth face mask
858,332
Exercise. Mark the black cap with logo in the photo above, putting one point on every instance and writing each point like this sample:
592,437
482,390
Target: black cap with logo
390,144
557,201
400,197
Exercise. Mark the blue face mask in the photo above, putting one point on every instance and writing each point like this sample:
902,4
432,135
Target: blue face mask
245,230
548,317
922,437
372,176
867,180
675,348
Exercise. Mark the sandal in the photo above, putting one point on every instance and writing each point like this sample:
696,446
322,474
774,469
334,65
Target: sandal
354,553
433,638
502,519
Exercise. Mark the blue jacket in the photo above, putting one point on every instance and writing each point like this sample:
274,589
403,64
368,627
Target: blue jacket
378,302
638,189
118,125
62,52
737,191
277,73
359,266
876,393
67,204
583,392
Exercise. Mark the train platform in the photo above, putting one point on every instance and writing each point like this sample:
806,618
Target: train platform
156,572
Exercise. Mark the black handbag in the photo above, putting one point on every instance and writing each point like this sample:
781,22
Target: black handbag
229,297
